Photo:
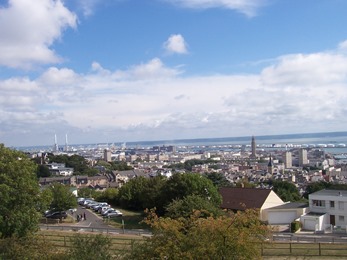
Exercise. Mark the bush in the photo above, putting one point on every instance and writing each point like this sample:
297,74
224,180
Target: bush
295,226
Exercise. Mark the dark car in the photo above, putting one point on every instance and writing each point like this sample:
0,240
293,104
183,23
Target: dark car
57,215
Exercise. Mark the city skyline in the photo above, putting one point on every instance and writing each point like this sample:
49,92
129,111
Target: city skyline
119,71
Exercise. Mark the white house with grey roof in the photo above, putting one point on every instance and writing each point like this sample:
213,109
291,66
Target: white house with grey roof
286,213
328,209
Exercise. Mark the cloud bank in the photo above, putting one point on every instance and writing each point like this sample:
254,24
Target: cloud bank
153,101
246,7
28,30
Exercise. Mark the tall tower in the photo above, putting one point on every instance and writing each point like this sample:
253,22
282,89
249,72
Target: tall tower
55,147
107,155
287,159
270,166
253,146
302,157
66,144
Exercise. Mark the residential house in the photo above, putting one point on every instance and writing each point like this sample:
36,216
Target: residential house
249,198
328,209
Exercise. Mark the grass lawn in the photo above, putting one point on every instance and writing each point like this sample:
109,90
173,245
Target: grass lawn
131,220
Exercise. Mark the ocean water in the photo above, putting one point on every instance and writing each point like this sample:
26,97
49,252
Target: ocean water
332,142
334,138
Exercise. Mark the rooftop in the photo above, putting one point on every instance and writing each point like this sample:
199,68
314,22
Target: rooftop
325,192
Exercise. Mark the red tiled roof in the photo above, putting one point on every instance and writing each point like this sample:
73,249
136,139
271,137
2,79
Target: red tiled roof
243,198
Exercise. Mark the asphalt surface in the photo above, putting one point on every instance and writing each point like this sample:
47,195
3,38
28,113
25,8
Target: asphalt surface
92,220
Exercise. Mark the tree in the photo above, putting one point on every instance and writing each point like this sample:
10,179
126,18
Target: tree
130,194
79,163
62,197
87,192
218,179
179,186
109,195
287,191
42,171
236,236
320,185
90,247
19,194
189,204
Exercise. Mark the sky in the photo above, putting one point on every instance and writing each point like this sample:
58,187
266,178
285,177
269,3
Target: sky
107,71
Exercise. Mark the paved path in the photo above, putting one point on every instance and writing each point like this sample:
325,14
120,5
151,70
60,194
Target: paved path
92,219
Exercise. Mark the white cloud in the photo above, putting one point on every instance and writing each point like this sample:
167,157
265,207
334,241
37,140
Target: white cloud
88,6
176,44
299,69
343,46
247,7
299,92
29,28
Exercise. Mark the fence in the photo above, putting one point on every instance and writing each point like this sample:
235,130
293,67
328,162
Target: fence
305,249
63,241
108,230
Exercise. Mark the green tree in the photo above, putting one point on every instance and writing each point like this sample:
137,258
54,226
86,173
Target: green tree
218,179
77,162
42,171
19,194
189,204
109,195
152,191
90,247
62,197
120,166
320,185
237,236
130,194
87,192
179,186
287,191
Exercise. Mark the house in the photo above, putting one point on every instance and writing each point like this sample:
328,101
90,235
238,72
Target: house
250,198
328,209
59,169
286,213
51,180
122,177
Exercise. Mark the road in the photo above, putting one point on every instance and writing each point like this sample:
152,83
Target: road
92,223
92,219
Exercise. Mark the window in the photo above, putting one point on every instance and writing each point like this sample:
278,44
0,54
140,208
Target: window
342,218
332,204
318,203
341,205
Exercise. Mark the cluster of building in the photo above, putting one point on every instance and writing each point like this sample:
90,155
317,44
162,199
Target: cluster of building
244,163
325,211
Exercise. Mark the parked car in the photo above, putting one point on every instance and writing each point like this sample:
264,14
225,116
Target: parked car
101,209
86,202
114,214
100,205
90,205
106,211
57,215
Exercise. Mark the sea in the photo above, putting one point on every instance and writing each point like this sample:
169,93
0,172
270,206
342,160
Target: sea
331,142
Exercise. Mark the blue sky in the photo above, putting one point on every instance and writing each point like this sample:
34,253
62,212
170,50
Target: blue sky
126,70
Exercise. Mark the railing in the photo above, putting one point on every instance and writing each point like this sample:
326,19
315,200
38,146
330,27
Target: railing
108,230
275,249
304,249
118,244
308,238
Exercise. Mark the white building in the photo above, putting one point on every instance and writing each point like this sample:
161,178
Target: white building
328,209
303,157
287,159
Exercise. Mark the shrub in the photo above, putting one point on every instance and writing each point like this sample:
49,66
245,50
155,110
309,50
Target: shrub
295,226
